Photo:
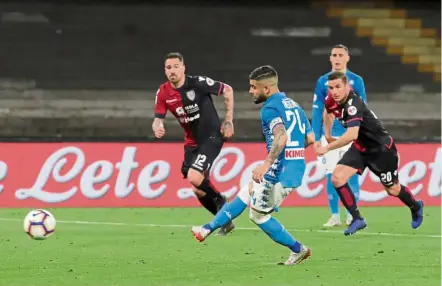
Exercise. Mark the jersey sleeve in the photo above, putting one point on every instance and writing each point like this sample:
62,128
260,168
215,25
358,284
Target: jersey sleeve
359,88
355,113
160,105
271,117
308,127
318,109
210,86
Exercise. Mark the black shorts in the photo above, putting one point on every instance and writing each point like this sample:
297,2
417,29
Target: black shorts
201,158
383,164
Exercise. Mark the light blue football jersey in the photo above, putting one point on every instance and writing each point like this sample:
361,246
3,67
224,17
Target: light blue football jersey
289,167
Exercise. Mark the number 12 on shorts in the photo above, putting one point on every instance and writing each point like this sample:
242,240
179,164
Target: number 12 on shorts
199,161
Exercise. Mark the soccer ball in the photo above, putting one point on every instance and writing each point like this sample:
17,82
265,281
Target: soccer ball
39,224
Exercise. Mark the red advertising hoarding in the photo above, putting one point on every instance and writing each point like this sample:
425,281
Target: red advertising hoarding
148,175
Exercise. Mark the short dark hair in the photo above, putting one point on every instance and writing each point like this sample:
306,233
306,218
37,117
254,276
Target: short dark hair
263,72
174,56
340,46
337,75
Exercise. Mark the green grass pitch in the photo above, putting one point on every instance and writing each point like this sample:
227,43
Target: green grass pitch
154,246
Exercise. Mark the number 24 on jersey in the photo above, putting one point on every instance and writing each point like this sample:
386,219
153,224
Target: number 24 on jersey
294,119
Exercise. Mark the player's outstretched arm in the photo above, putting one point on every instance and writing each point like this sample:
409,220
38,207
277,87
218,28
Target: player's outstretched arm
158,127
349,136
227,127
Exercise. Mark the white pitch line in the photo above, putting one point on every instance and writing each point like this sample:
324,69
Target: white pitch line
238,228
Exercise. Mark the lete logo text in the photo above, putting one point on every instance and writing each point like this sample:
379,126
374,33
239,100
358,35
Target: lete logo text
142,175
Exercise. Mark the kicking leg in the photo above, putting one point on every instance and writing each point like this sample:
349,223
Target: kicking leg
227,214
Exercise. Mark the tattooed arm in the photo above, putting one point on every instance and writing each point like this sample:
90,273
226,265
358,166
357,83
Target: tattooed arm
279,141
227,126
210,86
228,102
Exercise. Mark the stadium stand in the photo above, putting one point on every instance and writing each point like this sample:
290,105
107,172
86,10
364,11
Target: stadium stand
70,47
398,33
90,71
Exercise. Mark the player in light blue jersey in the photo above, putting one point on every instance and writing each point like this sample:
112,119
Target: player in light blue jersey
339,58
287,132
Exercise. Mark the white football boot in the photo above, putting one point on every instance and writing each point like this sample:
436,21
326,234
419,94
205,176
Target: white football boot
200,233
296,258
333,221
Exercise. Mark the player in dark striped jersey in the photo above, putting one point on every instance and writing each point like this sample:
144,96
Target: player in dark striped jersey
372,147
189,99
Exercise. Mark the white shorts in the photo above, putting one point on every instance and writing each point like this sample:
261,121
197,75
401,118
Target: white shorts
265,196
331,159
